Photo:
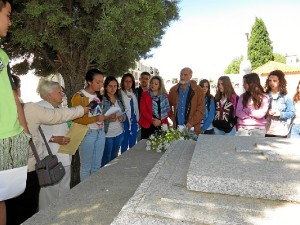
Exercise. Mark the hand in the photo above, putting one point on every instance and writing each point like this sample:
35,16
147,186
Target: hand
113,117
120,118
101,117
188,126
156,122
274,113
62,140
86,109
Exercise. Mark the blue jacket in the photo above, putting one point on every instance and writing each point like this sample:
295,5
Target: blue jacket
106,106
284,105
208,115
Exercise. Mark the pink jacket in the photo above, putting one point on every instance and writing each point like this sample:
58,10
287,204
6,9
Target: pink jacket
250,116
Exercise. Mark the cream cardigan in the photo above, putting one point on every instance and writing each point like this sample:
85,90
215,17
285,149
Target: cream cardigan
37,115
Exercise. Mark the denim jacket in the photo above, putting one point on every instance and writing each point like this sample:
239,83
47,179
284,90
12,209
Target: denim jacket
106,107
208,115
284,105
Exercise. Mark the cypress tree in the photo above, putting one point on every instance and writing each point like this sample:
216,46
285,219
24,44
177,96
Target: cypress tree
260,49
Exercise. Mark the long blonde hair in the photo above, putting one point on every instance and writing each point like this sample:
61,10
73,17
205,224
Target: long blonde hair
162,89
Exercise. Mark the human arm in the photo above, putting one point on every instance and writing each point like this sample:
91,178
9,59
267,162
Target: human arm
197,117
289,111
21,114
35,113
172,104
262,110
241,112
146,110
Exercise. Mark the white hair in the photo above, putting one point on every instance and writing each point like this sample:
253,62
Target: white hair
45,87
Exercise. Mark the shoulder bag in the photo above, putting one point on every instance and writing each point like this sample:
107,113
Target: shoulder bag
49,170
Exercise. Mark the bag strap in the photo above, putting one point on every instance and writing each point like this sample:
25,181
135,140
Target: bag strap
34,151
46,142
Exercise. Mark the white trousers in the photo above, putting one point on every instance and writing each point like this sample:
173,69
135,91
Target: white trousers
51,193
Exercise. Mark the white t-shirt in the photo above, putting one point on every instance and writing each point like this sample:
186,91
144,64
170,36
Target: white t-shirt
115,128
96,111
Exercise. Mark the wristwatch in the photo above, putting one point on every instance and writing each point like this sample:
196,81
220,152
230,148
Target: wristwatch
51,139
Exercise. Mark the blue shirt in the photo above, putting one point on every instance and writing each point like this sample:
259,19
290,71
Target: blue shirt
181,104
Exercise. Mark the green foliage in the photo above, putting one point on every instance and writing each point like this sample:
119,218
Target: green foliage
234,66
279,58
70,37
260,49
162,139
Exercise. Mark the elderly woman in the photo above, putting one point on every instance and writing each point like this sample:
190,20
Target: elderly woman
49,113
52,95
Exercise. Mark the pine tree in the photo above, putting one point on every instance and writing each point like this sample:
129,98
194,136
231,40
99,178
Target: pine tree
260,49
70,37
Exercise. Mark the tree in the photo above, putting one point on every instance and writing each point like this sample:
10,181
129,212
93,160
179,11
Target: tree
279,58
71,36
260,49
234,66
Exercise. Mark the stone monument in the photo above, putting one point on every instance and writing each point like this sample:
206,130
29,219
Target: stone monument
220,180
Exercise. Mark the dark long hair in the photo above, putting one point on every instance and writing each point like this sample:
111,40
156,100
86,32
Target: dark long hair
282,82
106,82
89,77
4,2
123,80
254,91
208,95
228,89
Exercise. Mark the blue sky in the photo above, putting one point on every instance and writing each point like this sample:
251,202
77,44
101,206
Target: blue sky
209,34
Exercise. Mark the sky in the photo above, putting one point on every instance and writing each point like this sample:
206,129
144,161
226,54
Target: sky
210,34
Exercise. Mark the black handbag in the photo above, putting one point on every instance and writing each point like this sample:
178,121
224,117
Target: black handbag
49,170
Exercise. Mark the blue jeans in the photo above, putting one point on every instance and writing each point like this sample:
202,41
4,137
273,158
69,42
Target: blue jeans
111,150
220,132
129,138
91,151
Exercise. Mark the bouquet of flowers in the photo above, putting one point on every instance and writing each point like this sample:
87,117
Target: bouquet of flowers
162,139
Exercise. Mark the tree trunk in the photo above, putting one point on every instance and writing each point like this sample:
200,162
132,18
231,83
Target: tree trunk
74,83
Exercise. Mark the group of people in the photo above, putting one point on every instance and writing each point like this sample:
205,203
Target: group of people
116,117
259,111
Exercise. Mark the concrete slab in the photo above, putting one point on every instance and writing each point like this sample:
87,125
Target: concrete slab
99,199
246,166
163,199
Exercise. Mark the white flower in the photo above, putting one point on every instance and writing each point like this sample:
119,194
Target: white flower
158,150
164,127
151,137
181,128
148,148
148,143
181,138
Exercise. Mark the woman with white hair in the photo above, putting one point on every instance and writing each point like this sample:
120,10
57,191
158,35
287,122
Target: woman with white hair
46,112
52,94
